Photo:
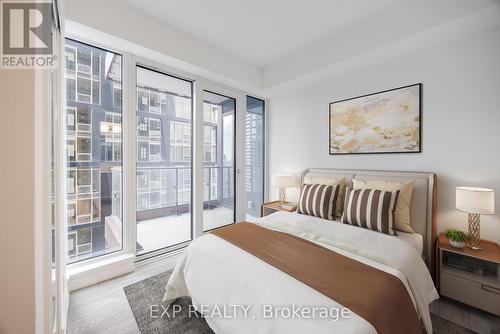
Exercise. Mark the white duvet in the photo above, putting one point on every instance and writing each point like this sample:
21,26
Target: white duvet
219,277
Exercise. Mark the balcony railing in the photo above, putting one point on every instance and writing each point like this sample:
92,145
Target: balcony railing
171,189
167,189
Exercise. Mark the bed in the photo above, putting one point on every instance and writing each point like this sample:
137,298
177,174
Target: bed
217,274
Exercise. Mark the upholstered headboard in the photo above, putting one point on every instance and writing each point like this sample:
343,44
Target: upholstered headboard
423,202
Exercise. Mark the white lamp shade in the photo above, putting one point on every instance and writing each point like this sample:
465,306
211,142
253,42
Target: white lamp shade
283,181
475,200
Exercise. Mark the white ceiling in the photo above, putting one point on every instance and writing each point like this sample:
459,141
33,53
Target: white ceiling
262,32
268,46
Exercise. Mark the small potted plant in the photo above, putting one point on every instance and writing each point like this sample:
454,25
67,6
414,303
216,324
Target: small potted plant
457,238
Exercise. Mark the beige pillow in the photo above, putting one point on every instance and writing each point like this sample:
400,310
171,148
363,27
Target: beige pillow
330,181
402,214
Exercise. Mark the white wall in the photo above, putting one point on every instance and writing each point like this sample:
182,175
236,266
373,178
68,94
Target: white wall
398,22
461,119
17,201
179,49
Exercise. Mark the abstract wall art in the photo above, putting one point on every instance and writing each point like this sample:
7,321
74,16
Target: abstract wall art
383,122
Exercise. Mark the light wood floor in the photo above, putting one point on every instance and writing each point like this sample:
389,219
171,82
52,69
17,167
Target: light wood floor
103,308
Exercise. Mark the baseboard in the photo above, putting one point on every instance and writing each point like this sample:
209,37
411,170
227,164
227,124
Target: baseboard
169,259
84,276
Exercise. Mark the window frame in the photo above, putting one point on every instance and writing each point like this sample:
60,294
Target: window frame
179,123
265,147
237,190
81,131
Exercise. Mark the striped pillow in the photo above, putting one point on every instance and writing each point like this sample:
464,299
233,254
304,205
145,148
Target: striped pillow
318,200
370,208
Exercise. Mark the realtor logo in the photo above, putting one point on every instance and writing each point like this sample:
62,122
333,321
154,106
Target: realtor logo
27,35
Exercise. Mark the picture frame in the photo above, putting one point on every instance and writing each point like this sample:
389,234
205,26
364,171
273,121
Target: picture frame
385,122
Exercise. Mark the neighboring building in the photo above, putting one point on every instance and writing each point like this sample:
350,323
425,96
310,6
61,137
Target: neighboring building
163,153
93,146
254,155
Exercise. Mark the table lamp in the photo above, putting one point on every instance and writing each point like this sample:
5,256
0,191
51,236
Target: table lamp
476,202
282,182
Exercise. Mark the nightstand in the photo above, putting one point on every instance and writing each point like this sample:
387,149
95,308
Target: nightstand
271,207
470,276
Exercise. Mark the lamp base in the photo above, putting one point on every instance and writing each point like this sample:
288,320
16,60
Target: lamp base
282,196
474,241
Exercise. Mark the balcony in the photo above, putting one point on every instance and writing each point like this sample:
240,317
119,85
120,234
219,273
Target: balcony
171,230
166,219
164,204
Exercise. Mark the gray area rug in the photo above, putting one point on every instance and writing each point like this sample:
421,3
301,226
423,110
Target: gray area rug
143,294
150,291
443,326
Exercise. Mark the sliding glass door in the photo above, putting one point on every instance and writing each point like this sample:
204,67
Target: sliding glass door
164,151
219,125
254,156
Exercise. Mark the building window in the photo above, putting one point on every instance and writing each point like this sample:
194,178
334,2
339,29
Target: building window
142,100
111,129
70,89
209,143
84,241
117,95
72,244
211,113
84,118
84,61
154,128
70,119
180,141
155,102
182,107
71,211
83,73
155,151
70,58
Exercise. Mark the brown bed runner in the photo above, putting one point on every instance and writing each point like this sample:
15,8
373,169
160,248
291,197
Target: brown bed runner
377,296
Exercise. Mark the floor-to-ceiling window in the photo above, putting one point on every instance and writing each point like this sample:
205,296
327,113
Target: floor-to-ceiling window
160,127
254,155
219,115
164,151
93,123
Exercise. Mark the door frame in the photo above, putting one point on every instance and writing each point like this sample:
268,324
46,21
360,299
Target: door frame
236,170
239,147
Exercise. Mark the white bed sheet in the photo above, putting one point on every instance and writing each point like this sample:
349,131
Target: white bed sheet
414,239
215,272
